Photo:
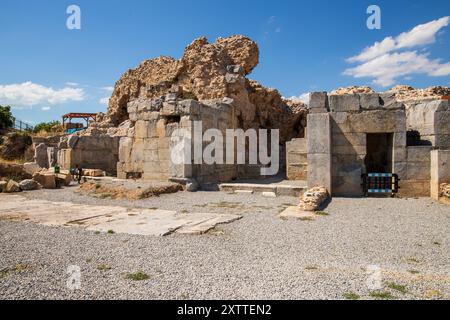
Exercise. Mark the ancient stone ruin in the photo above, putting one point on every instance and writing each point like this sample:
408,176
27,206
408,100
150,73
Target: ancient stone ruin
331,143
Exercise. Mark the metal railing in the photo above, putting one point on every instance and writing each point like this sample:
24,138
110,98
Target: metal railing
22,126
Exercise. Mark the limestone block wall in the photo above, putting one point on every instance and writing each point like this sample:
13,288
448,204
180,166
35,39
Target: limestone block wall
440,171
338,126
89,152
432,120
146,151
297,159
416,175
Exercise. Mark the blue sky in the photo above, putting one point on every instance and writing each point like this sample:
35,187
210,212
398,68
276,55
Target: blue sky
47,70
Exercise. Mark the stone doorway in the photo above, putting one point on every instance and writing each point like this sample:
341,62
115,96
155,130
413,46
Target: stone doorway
379,153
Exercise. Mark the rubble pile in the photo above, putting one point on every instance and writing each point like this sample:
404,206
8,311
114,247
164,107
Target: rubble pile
313,198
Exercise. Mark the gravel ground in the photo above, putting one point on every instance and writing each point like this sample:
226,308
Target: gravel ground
258,257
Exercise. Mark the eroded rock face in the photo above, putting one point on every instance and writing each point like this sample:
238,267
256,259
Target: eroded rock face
210,71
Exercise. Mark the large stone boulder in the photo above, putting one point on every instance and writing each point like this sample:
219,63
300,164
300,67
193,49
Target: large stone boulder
28,185
31,168
12,186
63,178
41,155
46,179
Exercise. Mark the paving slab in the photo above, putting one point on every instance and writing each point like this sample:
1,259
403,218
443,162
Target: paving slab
296,212
154,222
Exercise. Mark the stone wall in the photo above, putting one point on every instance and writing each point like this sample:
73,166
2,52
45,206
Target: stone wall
431,119
416,174
297,159
89,152
337,131
146,151
440,171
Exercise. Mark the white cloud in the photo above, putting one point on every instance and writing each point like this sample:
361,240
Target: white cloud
45,108
304,97
420,35
104,101
109,89
72,84
28,94
385,61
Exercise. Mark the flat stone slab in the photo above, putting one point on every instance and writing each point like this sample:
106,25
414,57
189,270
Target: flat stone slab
283,188
296,212
153,222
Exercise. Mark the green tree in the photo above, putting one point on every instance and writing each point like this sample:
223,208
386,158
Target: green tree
6,118
46,126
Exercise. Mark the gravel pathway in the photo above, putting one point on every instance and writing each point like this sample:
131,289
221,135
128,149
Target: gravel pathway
258,257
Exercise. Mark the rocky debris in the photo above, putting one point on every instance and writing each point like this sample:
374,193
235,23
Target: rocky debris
93,173
46,179
119,191
191,185
3,186
12,186
352,90
14,170
28,185
407,93
31,168
208,71
313,198
445,190
14,145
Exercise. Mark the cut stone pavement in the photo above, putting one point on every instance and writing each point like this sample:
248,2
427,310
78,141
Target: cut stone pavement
104,218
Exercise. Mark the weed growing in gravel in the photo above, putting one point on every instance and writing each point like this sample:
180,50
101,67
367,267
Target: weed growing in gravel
397,287
226,204
184,211
414,271
18,268
97,232
306,219
322,213
412,260
103,267
138,276
351,296
311,268
437,243
110,232
382,295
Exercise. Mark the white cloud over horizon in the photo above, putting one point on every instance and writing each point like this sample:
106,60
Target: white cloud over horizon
387,60
304,98
29,94
104,101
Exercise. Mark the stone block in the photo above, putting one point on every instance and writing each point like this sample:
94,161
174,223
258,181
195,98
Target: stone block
125,147
369,101
419,153
418,171
400,168
31,168
12,187
318,102
41,155
349,139
347,182
376,121
439,170
319,170
414,188
319,133
45,179
344,103
63,178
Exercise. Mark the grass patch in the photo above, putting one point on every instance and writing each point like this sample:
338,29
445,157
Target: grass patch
382,295
414,271
351,296
110,232
18,268
103,267
184,211
397,287
437,243
311,268
412,260
322,213
138,276
306,219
